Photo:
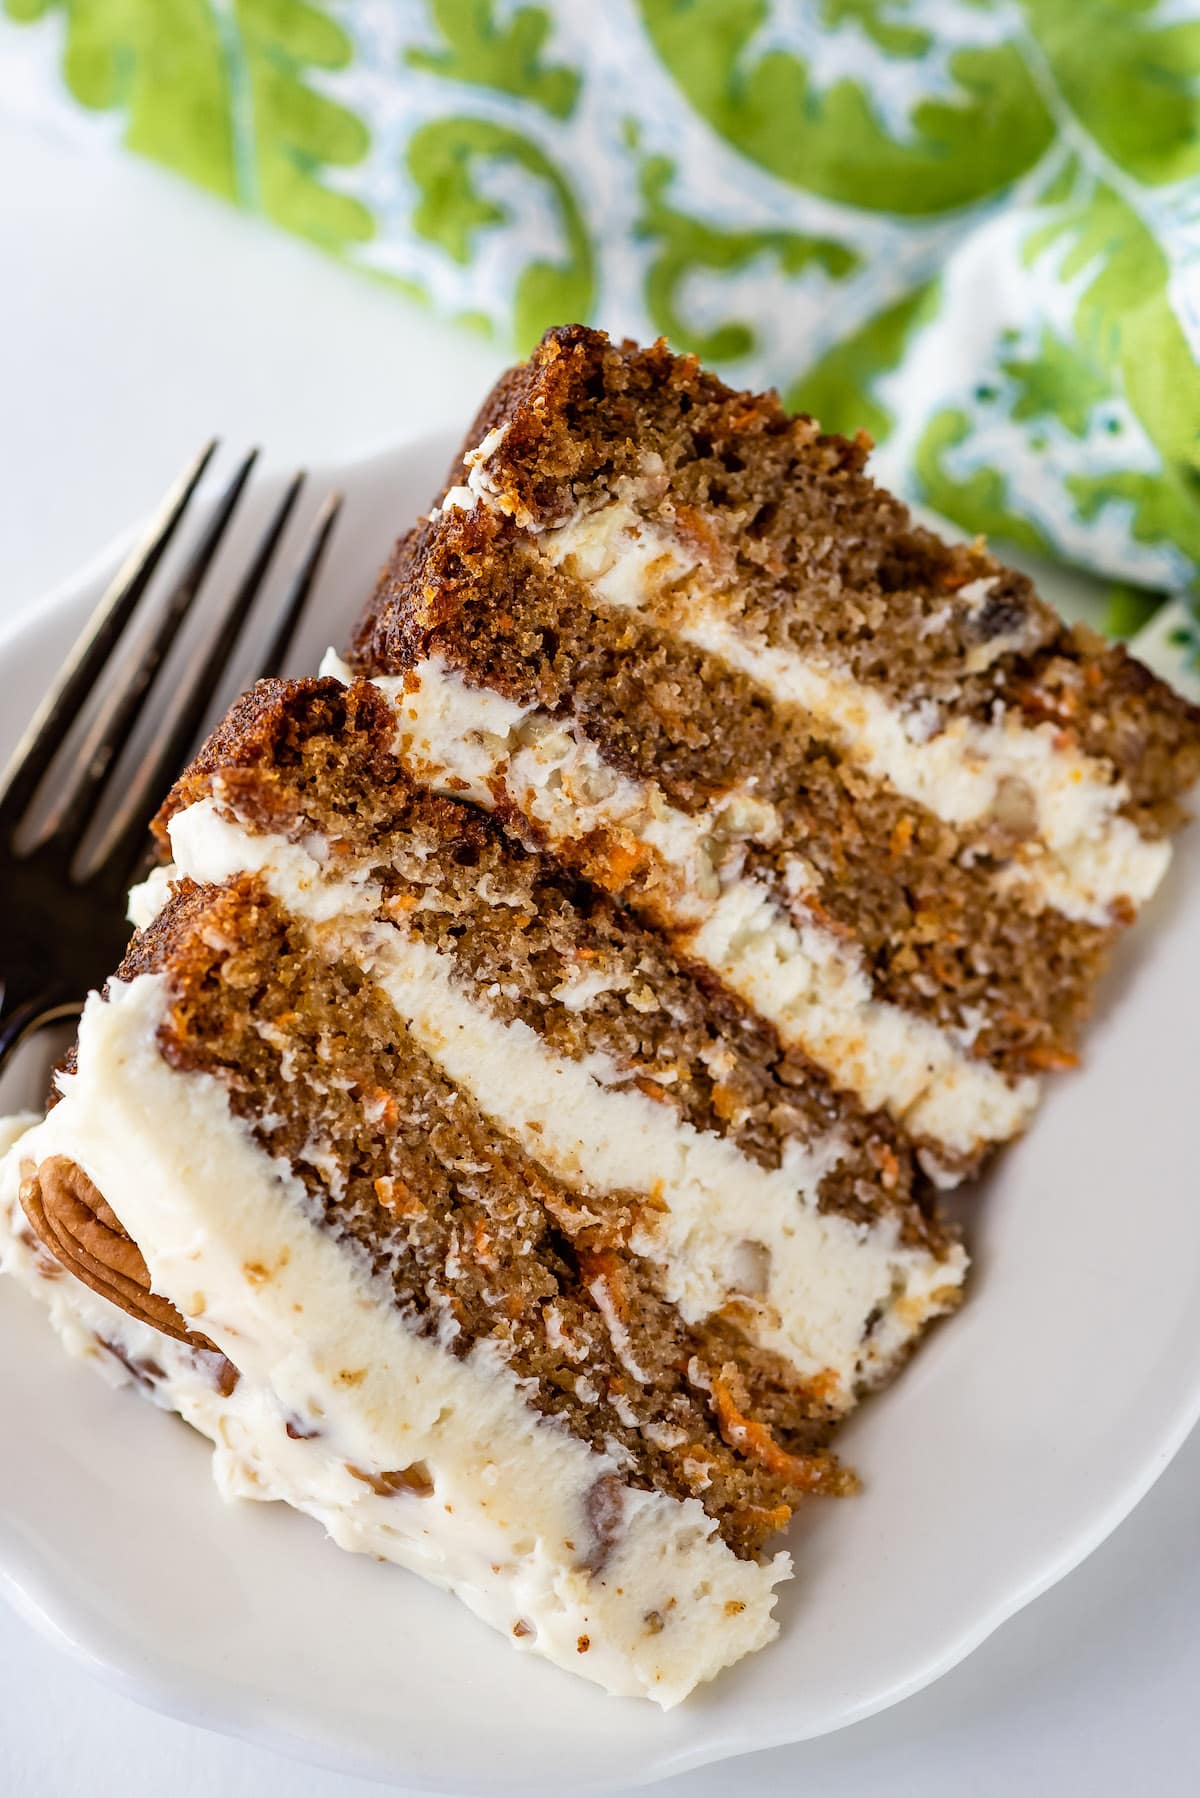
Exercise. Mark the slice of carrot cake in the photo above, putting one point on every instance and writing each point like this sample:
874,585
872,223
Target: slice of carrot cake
465,1211
513,1134
863,777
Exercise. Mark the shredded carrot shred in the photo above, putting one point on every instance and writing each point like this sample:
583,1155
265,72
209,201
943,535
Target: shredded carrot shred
1048,1059
822,1384
483,1245
602,1264
397,1196
619,862
886,1161
652,1090
758,1517
808,1473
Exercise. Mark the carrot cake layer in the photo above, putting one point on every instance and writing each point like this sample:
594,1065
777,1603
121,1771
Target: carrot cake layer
462,1211
866,778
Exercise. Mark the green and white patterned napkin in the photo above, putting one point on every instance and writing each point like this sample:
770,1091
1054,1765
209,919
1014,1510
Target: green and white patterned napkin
972,226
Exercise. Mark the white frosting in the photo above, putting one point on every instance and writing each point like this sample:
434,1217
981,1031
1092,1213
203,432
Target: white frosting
456,499
461,739
825,1276
228,1238
1087,856
147,899
801,978
465,740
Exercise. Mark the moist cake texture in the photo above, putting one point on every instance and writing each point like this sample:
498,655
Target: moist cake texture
514,1134
865,777
648,1257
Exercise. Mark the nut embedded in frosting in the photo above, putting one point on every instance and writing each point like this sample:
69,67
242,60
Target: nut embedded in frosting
79,1227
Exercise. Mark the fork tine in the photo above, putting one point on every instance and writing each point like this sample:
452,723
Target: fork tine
40,740
124,838
110,729
301,586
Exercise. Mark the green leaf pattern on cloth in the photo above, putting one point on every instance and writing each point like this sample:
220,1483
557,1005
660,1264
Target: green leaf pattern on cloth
487,52
840,388
687,245
162,66
971,226
449,161
962,121
225,95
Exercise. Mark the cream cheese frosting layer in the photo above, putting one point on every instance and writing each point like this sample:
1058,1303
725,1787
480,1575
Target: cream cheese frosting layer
1086,856
807,981
504,1517
820,1278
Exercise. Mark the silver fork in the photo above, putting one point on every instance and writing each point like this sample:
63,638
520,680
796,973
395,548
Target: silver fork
62,928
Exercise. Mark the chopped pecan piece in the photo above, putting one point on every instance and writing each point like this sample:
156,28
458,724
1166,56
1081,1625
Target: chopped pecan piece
79,1227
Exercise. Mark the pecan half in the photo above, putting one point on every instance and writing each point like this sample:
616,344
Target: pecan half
79,1227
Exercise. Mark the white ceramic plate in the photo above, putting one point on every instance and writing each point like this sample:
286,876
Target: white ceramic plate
1016,1441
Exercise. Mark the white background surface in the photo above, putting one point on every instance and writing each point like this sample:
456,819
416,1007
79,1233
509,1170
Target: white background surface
136,319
